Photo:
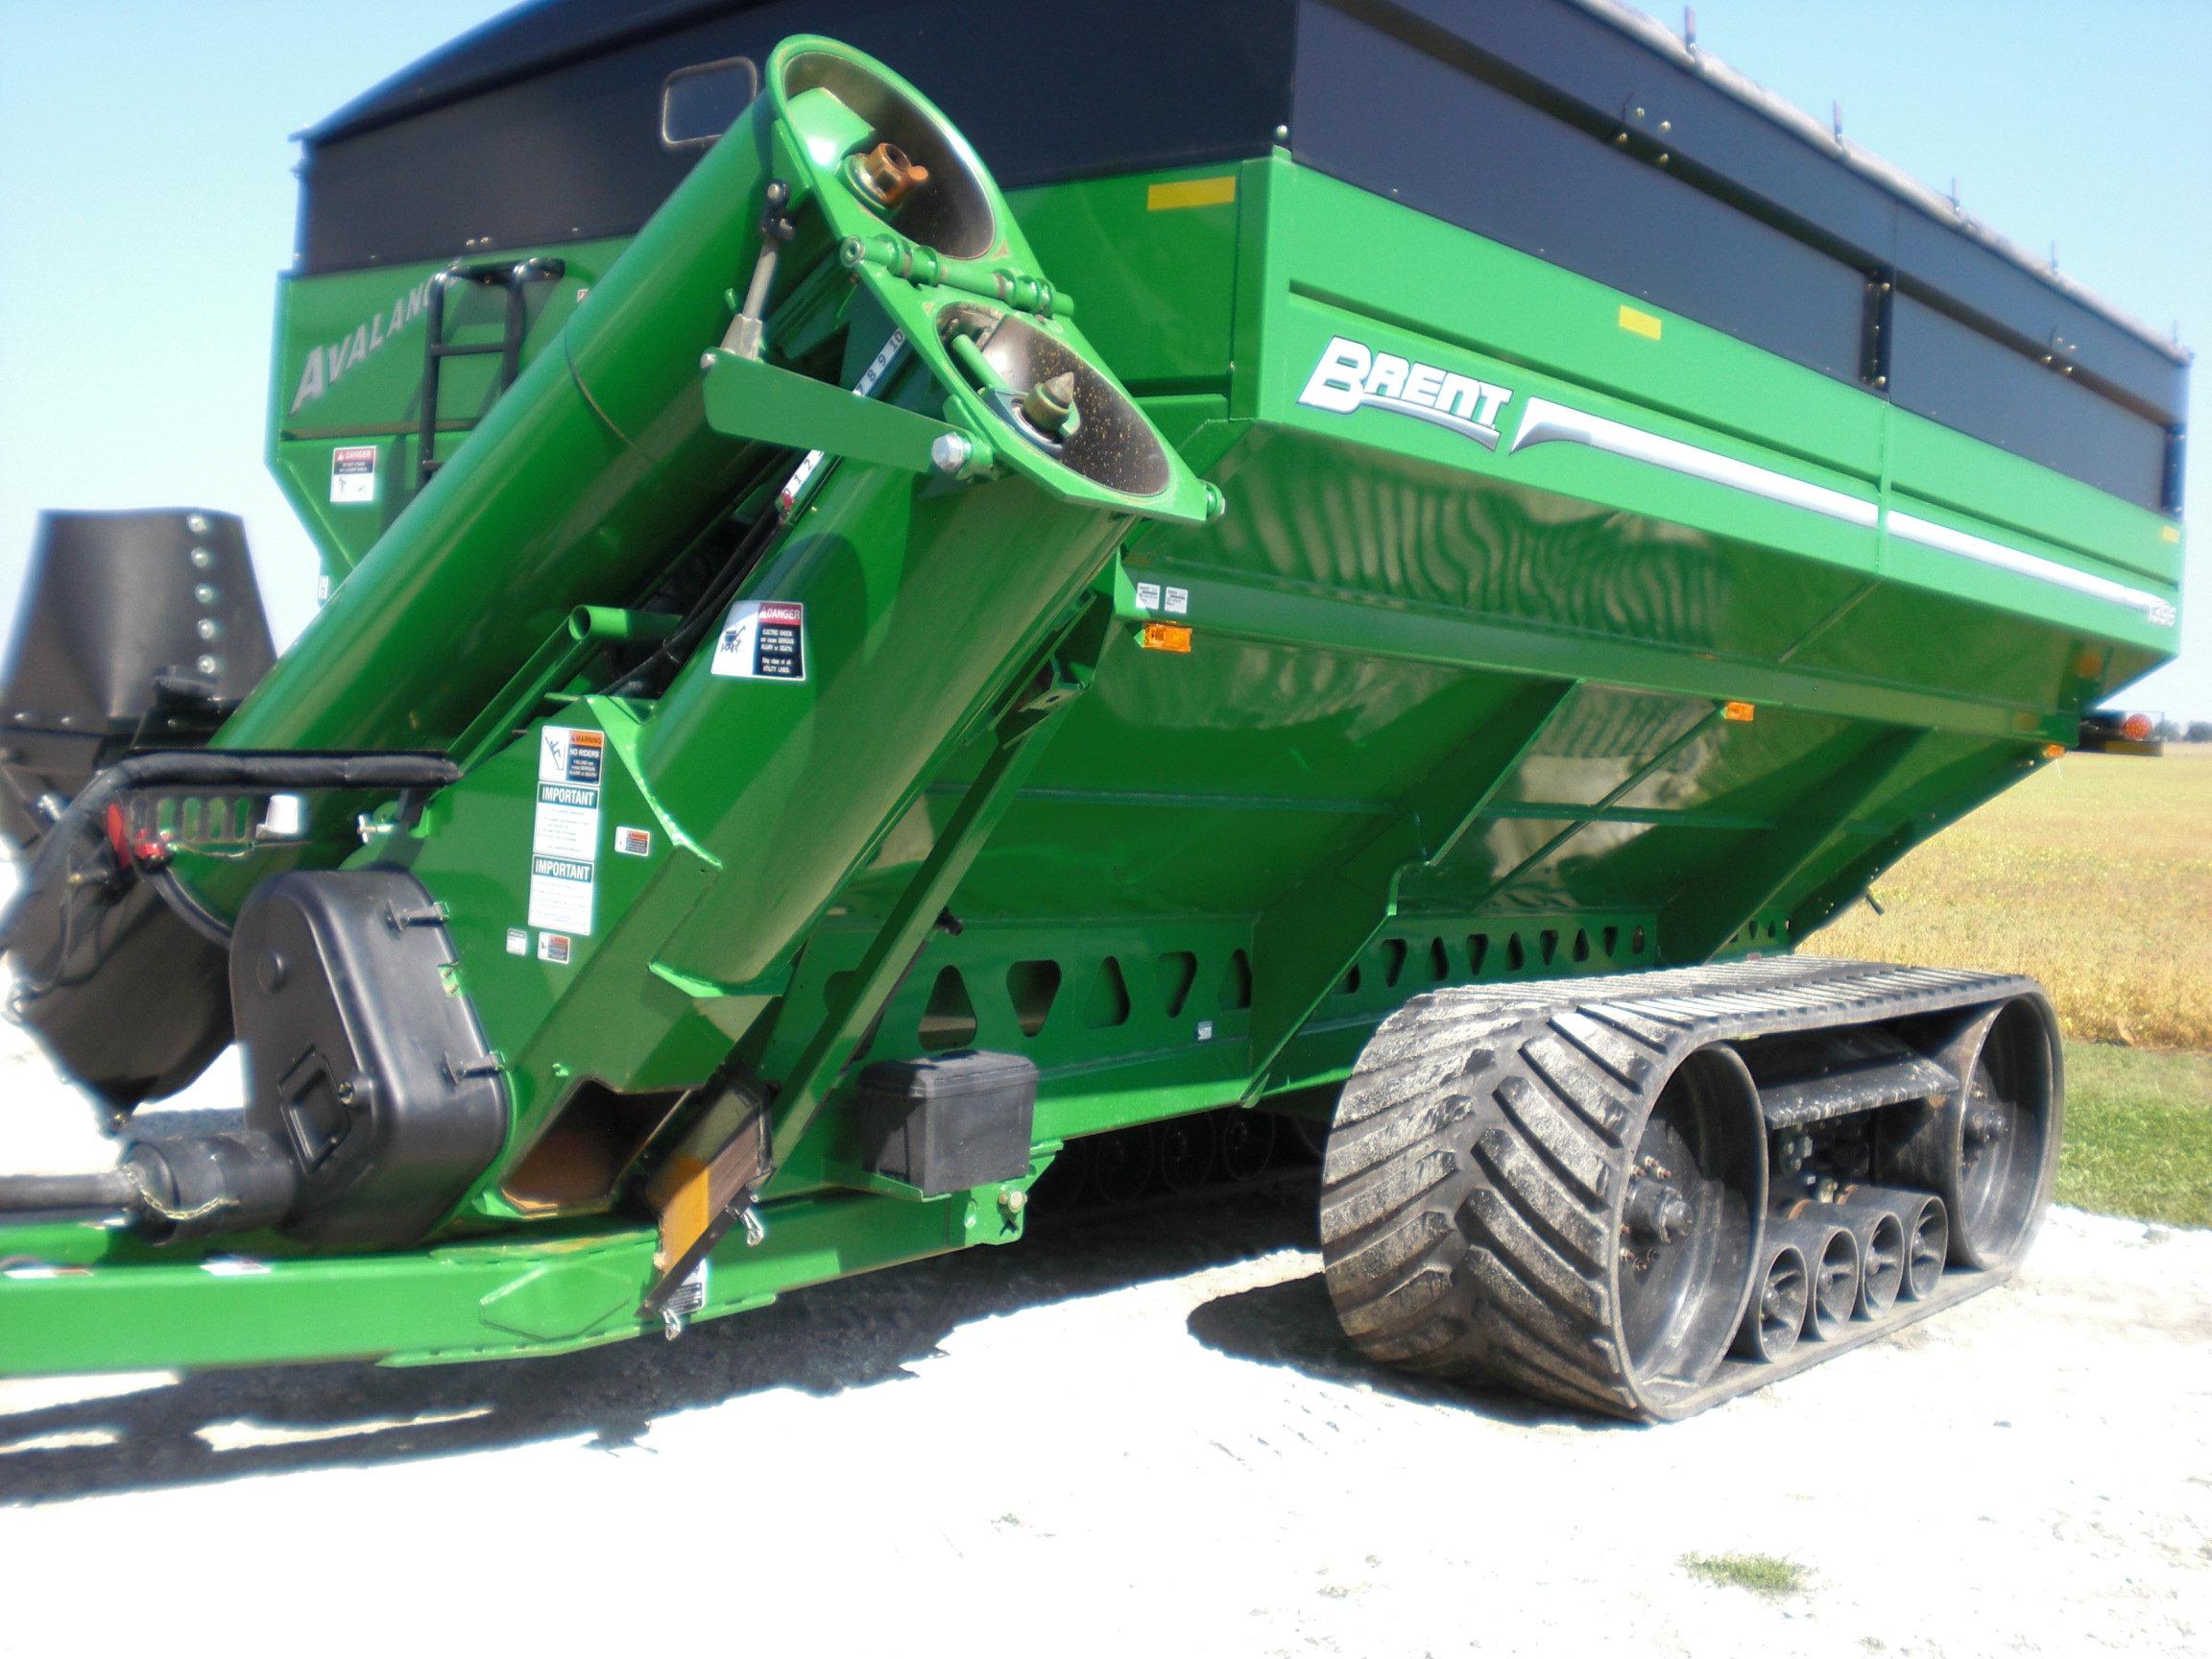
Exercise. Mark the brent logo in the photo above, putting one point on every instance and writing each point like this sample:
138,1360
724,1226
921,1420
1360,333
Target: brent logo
1351,376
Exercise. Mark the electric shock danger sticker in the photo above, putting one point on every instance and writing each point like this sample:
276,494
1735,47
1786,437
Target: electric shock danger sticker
354,474
762,640
565,833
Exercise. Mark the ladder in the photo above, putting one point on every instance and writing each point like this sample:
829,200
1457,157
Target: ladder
517,278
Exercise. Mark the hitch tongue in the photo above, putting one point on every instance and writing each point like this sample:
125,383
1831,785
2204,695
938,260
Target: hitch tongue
87,1192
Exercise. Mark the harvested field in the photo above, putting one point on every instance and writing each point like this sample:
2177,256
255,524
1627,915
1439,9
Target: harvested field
2094,875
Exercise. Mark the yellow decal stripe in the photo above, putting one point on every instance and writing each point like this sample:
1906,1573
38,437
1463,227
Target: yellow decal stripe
1191,193
1639,322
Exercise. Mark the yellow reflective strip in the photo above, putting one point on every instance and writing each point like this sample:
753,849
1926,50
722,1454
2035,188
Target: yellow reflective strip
686,1212
1639,322
2167,533
1191,193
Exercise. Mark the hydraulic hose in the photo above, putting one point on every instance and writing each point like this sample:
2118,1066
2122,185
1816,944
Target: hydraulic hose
85,1193
84,826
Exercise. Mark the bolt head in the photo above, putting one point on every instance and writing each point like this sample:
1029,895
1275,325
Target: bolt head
950,452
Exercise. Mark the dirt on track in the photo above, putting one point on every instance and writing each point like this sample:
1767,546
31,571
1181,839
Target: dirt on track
1139,1433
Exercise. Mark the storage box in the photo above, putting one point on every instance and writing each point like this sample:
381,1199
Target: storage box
947,1121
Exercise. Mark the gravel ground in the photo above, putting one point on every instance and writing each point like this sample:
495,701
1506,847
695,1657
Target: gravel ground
1135,1431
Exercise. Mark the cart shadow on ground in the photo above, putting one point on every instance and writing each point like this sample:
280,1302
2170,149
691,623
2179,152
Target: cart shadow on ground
227,1424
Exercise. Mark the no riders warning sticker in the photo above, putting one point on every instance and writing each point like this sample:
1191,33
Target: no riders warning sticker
762,640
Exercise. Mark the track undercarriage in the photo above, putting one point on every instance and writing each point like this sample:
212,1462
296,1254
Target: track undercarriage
1646,1194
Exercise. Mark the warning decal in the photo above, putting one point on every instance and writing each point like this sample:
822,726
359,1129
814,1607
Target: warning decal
762,640
565,835
354,474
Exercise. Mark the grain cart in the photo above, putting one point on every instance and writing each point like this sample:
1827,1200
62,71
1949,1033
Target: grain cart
1380,566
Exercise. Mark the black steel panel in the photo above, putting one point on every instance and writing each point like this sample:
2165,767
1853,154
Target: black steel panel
1949,373
1974,278
1533,122
516,43
1480,158
1580,58
1111,85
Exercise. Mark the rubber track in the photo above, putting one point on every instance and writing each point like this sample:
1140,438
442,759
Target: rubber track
1471,1189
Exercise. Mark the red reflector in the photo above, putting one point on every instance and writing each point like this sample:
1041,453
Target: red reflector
2136,728
2052,751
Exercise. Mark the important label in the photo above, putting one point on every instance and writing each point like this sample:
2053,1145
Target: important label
762,640
565,835
353,474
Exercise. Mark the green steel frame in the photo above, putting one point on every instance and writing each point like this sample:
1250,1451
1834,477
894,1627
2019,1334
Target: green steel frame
1660,649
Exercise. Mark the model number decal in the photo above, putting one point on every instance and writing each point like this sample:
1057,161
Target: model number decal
1351,376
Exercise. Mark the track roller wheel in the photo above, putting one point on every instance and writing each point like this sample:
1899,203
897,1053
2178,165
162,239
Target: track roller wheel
1992,1154
1881,1240
1927,1247
1926,1231
1831,1256
1247,1144
1535,1198
1776,1316
1122,1164
1186,1152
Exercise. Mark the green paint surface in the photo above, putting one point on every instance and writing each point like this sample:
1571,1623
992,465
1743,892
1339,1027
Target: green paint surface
1453,710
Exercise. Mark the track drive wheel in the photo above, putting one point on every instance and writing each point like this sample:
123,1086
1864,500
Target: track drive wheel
1992,1154
1533,1198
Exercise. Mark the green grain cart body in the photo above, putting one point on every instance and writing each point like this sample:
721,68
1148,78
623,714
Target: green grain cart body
1569,517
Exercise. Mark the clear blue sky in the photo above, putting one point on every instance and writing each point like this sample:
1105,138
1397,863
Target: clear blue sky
146,207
